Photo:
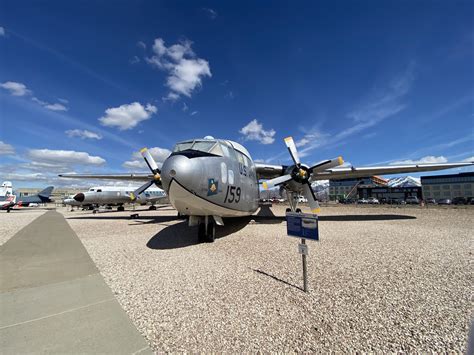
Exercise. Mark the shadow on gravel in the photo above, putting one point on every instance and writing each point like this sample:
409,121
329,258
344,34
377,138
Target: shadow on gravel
150,219
277,279
338,218
365,217
180,235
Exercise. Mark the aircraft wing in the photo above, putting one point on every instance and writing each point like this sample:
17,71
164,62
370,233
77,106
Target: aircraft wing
126,177
352,172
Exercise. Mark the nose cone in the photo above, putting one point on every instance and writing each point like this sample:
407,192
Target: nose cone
185,171
79,197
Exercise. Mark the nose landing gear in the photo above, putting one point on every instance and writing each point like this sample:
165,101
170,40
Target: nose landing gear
207,230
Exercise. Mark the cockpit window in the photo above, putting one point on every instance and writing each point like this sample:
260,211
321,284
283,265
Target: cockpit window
182,146
203,146
217,150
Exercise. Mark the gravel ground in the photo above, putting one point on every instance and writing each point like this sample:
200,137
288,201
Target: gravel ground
12,222
381,279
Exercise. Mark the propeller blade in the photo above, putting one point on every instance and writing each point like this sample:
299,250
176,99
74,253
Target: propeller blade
309,194
150,161
326,164
134,194
290,144
276,181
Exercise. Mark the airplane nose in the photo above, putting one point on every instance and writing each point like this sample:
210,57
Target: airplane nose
184,170
79,197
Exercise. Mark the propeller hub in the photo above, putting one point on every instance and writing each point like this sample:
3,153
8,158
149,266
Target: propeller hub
300,174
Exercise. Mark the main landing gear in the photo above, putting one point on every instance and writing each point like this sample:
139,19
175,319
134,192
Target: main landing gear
120,208
152,208
207,230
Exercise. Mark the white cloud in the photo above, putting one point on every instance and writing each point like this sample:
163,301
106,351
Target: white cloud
211,13
141,44
52,107
430,159
19,89
63,101
6,149
137,161
254,131
16,89
64,157
127,116
26,176
170,97
194,113
134,164
186,75
38,101
2,31
56,107
134,60
185,71
469,160
83,134
302,142
185,107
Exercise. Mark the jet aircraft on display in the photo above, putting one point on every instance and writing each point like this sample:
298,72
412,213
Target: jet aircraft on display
208,179
9,199
115,196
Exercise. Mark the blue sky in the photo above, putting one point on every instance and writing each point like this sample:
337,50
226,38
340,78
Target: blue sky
84,85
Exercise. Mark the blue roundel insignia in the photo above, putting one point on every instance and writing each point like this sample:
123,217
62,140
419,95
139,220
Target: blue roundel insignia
212,187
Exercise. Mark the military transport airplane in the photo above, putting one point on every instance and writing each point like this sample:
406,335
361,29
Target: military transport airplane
208,179
115,196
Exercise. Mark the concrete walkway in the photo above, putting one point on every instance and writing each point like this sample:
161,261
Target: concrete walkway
54,300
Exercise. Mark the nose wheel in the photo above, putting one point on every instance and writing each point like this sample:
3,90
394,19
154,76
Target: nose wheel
207,231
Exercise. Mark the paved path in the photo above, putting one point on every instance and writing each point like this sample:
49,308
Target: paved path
54,300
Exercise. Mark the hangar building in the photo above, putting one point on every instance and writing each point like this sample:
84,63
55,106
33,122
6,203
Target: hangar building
448,186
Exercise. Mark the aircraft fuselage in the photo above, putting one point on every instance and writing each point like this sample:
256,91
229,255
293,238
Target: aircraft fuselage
217,181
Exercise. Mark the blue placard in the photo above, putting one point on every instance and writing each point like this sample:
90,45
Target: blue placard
302,225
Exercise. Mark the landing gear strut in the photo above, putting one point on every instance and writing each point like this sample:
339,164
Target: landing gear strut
207,230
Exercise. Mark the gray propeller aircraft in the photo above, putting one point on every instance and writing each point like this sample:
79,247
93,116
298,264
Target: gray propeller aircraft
115,196
208,179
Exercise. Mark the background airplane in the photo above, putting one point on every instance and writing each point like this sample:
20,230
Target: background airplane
208,179
11,199
115,196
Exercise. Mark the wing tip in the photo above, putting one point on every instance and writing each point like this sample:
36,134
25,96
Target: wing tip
143,150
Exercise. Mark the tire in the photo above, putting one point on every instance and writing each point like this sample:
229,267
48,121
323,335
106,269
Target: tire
152,208
298,210
288,210
202,232
211,232
120,208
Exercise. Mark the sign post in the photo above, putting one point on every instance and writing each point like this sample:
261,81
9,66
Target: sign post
304,226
